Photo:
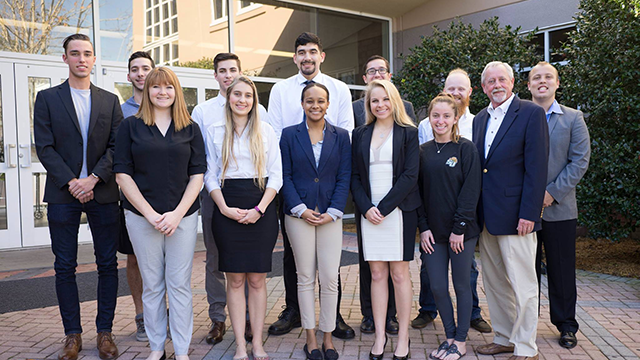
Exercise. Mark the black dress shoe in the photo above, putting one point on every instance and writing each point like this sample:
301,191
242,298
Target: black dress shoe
367,325
248,334
342,330
288,319
373,356
568,340
392,326
421,321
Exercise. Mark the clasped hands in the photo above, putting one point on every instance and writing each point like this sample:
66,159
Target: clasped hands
242,216
82,189
456,242
166,223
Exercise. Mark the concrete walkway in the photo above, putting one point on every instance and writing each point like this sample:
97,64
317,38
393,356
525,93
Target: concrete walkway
608,313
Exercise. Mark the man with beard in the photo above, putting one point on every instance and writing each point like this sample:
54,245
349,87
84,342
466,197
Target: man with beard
458,85
569,153
140,64
226,68
512,138
285,110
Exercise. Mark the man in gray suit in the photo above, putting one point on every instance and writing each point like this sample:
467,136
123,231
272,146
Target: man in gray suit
569,151
377,68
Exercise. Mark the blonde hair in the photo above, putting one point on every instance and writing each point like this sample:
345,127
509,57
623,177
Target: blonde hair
256,146
179,113
451,101
398,112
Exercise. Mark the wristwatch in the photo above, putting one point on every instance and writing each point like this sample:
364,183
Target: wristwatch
95,176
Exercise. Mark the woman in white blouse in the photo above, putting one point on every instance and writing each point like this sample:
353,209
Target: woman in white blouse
244,173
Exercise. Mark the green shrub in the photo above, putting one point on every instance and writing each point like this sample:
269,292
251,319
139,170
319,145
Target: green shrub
603,80
463,46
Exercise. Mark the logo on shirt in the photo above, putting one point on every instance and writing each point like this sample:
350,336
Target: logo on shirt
452,161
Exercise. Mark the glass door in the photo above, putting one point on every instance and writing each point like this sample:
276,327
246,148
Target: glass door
10,236
29,80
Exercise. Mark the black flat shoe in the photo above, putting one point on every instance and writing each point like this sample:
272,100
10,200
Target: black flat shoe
330,354
373,356
568,340
315,354
406,357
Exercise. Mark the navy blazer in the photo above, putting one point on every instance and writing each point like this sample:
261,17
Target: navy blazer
59,142
406,166
325,186
514,172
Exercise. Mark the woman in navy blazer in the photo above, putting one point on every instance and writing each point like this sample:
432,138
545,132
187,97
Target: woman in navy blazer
316,169
384,184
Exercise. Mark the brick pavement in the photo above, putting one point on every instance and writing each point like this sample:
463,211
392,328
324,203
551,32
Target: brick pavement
608,313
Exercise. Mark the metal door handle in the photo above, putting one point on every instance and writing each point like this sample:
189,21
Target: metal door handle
28,151
11,161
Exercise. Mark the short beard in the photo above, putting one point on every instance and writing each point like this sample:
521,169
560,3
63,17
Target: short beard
501,99
307,72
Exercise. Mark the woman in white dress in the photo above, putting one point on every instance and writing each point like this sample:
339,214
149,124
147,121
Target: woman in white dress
384,185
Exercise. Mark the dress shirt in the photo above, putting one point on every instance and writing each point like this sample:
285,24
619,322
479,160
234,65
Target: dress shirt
240,163
317,151
285,106
211,112
130,107
496,115
554,108
465,128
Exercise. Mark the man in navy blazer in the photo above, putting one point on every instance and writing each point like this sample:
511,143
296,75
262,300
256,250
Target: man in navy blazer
75,126
513,142
569,153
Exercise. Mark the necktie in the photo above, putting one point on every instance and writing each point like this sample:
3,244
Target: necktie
308,82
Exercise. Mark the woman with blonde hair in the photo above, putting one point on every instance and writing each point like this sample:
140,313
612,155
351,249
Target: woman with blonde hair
384,184
159,163
243,176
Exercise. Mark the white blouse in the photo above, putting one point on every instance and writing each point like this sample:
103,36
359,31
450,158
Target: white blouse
242,167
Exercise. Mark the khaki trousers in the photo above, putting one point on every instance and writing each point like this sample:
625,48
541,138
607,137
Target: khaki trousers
316,248
509,273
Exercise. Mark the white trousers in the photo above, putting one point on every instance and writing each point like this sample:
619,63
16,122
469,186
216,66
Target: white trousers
316,248
165,265
509,274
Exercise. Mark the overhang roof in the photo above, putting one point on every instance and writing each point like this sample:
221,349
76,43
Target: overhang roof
389,8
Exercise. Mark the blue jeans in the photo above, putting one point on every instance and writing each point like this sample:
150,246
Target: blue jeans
428,304
104,222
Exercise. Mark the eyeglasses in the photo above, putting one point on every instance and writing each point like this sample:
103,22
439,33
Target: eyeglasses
381,71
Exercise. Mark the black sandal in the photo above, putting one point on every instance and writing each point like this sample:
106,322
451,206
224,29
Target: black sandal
453,350
444,346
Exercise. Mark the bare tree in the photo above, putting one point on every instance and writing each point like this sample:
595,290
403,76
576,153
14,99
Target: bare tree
29,26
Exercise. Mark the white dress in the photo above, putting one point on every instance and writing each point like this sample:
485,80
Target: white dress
382,242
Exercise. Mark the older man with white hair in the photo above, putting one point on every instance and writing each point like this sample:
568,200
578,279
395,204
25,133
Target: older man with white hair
513,142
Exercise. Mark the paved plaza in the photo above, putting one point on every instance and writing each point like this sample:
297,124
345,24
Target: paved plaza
608,313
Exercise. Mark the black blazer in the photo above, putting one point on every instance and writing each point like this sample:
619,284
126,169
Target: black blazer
59,142
406,166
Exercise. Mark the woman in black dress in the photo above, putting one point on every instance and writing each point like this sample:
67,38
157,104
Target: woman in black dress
244,173
450,188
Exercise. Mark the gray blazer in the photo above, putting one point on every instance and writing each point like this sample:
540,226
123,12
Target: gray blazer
569,152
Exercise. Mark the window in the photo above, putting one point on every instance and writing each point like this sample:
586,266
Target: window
161,20
218,10
549,43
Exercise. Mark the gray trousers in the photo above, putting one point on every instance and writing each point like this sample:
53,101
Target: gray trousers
215,283
165,264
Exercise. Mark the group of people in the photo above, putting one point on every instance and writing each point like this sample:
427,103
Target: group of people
504,179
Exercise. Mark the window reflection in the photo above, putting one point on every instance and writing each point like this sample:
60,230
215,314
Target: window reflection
190,97
36,84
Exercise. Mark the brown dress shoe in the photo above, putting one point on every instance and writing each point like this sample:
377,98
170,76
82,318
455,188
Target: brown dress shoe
107,349
493,348
216,333
72,346
535,357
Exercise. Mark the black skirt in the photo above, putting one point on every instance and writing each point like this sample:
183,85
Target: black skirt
244,248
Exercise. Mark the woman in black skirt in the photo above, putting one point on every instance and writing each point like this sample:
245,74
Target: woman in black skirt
244,173
450,188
